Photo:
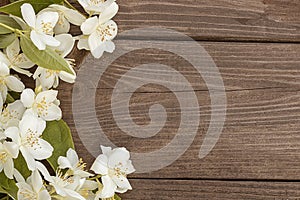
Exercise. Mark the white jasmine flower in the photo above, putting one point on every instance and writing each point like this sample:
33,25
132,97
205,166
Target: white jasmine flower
33,188
66,185
42,26
95,6
8,152
66,16
44,104
48,78
11,114
101,30
8,81
75,165
14,60
114,166
28,137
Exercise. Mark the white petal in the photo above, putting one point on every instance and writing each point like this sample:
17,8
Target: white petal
37,181
47,18
113,30
28,158
43,171
105,150
18,176
53,113
66,44
108,13
37,40
4,58
29,122
83,43
12,148
109,187
122,182
28,14
64,163
14,84
62,27
23,62
74,194
13,133
83,3
109,46
72,157
44,195
42,151
118,155
4,70
9,168
89,26
74,17
100,165
49,40
67,77
27,97
13,49
49,96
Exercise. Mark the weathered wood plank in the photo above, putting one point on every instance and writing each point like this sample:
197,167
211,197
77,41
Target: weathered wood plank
260,139
225,190
222,20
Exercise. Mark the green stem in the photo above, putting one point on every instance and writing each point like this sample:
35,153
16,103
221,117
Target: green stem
8,27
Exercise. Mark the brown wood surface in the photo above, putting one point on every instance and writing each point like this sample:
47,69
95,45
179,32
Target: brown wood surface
255,45
206,190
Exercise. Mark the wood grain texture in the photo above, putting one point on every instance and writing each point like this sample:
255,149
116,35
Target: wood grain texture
221,20
260,139
212,190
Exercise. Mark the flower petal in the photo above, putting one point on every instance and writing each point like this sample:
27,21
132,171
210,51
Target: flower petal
37,182
89,26
37,40
49,18
49,40
13,49
100,165
109,187
27,97
52,113
28,14
42,151
108,13
28,158
14,84
66,44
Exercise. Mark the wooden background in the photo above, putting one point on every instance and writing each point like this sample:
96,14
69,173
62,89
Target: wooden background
256,46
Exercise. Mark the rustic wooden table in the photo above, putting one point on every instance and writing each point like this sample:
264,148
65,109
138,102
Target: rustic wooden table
256,47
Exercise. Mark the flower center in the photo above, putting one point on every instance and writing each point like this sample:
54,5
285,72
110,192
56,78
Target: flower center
31,140
47,28
3,157
28,195
50,73
104,31
7,116
96,2
116,172
41,107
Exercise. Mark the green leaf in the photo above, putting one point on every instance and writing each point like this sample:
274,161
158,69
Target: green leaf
38,5
6,40
58,134
116,197
47,58
5,19
9,186
21,165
